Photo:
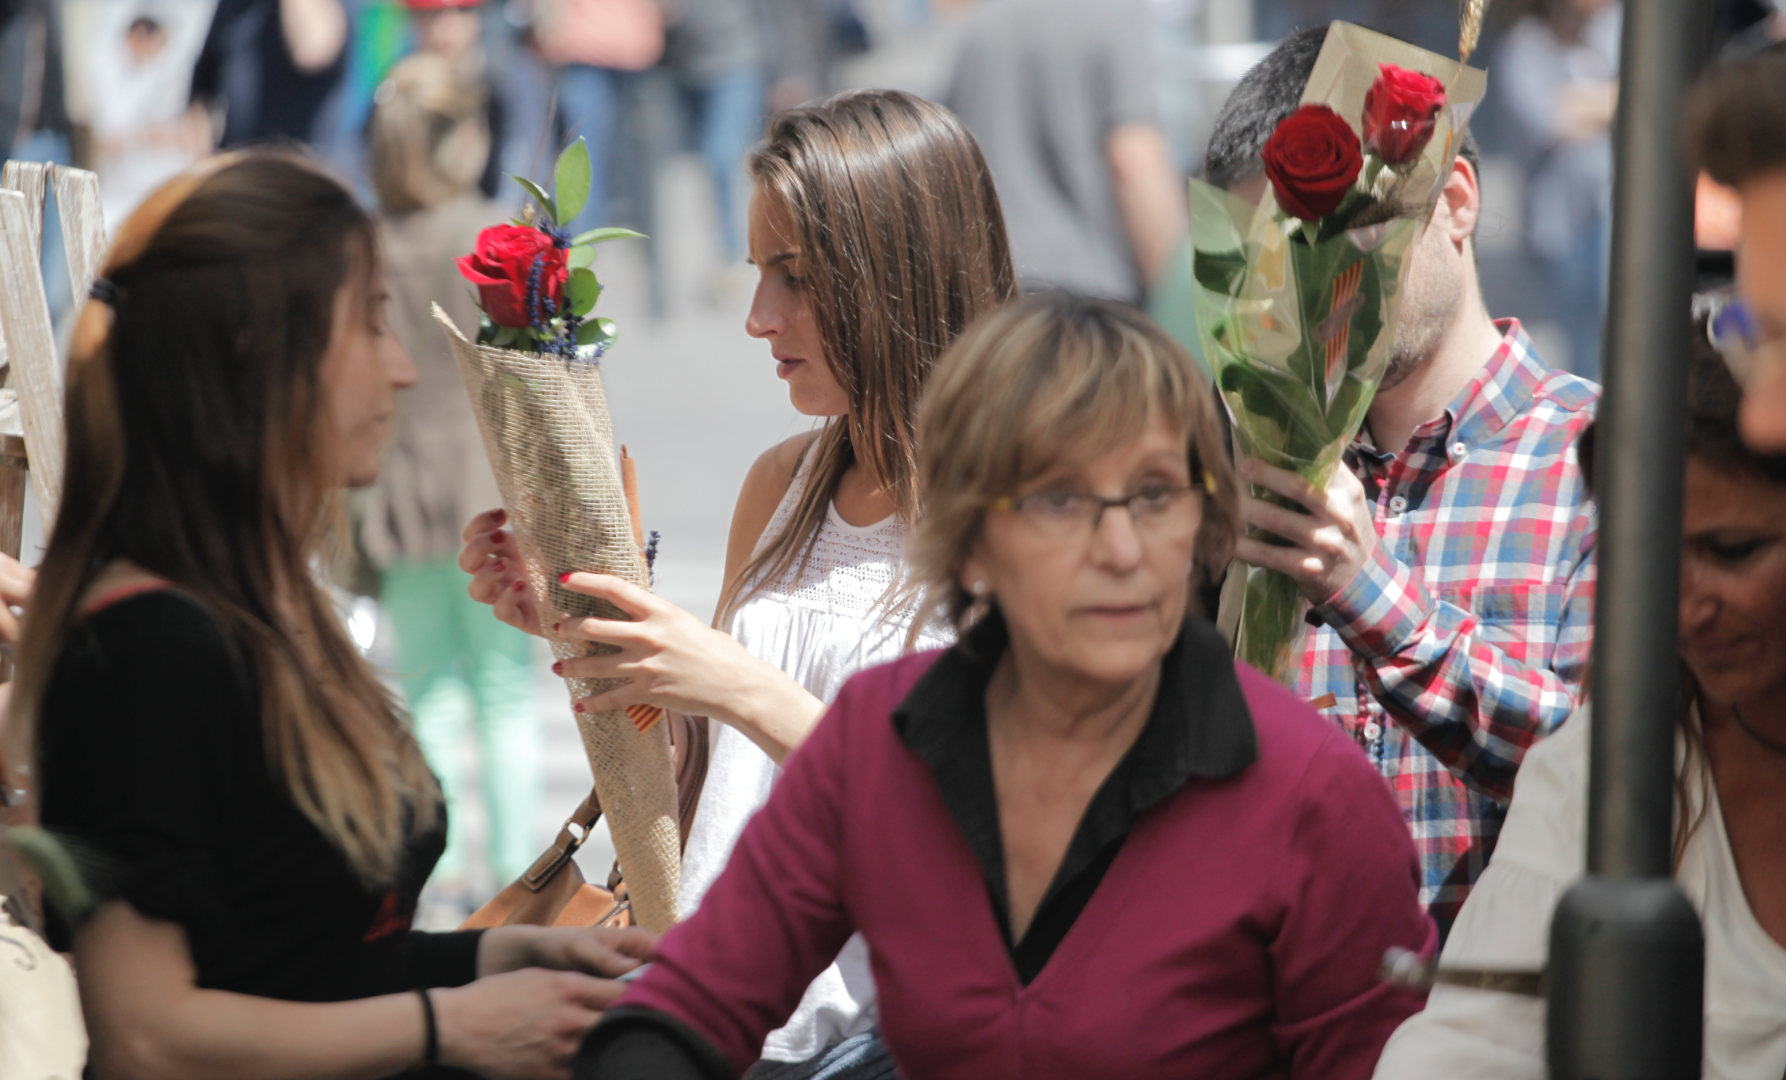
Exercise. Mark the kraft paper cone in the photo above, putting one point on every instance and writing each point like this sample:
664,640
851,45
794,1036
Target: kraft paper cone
545,425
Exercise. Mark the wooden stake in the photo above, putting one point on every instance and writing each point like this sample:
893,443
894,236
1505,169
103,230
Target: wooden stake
31,348
629,484
83,227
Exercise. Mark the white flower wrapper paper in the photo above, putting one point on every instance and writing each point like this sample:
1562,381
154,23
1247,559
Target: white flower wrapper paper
1297,320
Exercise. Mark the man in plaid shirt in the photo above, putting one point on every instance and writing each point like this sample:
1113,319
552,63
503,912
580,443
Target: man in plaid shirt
1451,567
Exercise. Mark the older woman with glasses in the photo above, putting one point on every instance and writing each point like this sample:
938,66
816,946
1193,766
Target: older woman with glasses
1084,841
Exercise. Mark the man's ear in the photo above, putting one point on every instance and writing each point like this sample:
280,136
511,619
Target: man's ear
1460,203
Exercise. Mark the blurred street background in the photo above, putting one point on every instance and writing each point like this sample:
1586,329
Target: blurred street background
671,94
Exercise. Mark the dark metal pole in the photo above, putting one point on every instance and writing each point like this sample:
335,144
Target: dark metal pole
1626,982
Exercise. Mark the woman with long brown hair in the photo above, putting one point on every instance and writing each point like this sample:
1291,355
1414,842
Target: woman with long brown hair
877,232
243,795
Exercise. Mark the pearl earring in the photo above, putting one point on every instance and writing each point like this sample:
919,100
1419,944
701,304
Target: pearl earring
979,590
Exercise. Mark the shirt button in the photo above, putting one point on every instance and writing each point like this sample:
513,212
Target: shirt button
1459,449
1372,730
1398,504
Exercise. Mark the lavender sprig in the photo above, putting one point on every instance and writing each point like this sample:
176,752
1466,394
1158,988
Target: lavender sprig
651,540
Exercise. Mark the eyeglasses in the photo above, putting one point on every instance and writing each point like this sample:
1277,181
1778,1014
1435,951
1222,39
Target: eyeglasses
1157,509
1736,332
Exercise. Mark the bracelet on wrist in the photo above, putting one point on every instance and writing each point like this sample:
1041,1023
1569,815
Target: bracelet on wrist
431,1033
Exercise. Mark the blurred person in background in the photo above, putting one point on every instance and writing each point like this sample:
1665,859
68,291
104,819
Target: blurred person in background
1736,129
1062,97
33,106
454,31
271,66
138,72
600,47
429,143
876,232
34,121
1730,787
1557,73
716,54
1451,564
801,40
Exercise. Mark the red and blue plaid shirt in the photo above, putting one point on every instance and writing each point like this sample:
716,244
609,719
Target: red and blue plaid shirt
1466,638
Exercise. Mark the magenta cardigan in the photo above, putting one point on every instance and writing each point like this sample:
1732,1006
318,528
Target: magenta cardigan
1238,932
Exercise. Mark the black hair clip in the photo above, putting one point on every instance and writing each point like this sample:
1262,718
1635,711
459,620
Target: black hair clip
106,292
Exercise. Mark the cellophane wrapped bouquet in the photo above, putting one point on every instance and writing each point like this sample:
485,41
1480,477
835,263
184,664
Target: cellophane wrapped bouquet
1297,294
534,378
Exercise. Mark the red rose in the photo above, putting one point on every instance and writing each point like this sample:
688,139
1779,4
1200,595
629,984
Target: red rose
1312,159
502,266
1399,113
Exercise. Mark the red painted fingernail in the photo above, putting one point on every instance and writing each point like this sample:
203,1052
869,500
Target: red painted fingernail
498,537
555,627
499,516
564,578
519,585
499,565
558,667
578,707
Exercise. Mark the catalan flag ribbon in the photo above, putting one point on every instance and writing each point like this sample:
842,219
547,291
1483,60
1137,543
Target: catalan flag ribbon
643,716
1338,327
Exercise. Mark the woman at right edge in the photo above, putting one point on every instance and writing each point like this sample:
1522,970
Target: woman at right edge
1730,781
877,232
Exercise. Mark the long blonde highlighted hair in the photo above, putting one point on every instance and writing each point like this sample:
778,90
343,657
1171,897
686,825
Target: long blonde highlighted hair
201,449
900,225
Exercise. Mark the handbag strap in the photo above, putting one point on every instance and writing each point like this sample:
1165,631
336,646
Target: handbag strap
690,739
571,836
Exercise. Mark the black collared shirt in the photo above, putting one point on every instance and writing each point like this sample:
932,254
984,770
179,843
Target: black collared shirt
1199,728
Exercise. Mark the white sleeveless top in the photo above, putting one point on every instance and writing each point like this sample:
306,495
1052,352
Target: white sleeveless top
820,623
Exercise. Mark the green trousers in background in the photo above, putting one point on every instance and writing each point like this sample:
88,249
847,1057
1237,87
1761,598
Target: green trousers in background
457,661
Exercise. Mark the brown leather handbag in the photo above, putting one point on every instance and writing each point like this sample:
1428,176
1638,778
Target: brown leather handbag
553,891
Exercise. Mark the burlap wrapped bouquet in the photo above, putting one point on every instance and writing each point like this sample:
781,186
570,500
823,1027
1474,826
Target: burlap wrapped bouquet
534,379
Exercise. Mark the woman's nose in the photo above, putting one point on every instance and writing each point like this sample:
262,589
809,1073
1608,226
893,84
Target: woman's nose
765,318
1116,543
1699,603
399,367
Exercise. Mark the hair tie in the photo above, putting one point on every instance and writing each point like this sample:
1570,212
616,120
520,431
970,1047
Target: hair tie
106,292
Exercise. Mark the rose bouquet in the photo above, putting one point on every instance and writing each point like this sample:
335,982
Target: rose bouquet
534,378
1297,294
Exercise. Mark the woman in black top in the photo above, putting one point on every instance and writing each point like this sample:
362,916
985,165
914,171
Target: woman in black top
230,773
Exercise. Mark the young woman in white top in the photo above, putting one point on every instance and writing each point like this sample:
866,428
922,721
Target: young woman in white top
1730,850
877,232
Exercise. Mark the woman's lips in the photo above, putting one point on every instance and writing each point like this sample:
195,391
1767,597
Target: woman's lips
1117,612
1721,655
786,367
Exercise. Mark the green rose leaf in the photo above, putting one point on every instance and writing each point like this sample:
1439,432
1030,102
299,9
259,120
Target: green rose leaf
539,196
581,256
1221,272
584,291
570,182
596,332
604,234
